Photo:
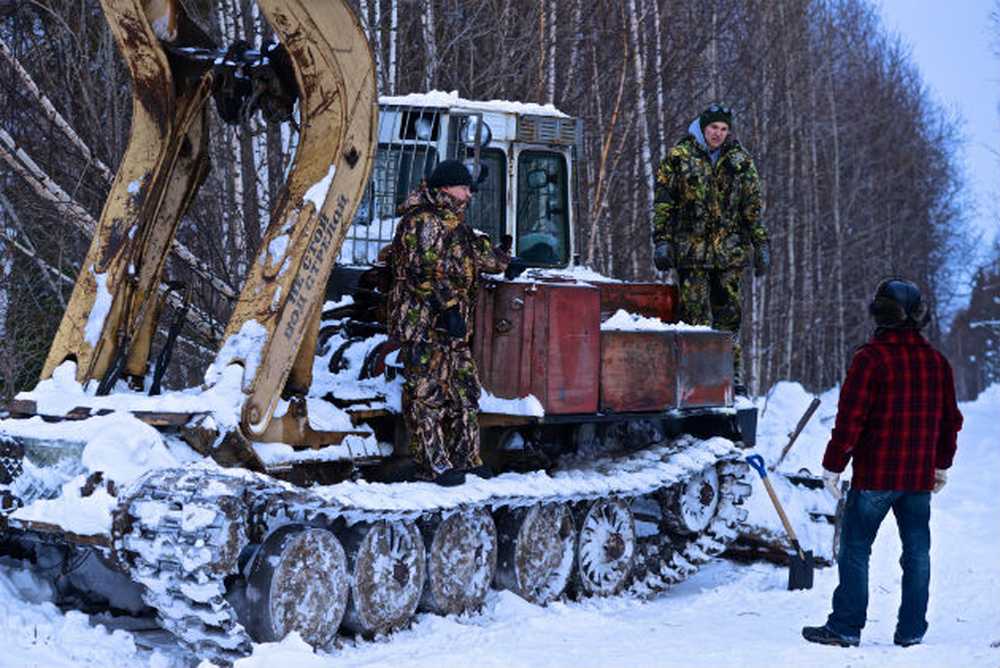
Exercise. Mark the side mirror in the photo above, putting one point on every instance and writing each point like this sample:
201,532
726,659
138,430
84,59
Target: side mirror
476,131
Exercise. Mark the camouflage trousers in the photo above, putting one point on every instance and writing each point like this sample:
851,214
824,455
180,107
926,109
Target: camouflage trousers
441,405
712,297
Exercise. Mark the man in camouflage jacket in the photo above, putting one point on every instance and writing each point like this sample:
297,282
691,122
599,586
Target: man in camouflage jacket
436,262
706,220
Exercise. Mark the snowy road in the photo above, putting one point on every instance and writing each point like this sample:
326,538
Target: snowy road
727,615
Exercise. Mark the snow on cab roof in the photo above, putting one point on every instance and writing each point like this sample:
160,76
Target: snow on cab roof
439,98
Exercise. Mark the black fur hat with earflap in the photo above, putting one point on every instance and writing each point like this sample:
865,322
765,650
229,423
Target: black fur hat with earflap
898,304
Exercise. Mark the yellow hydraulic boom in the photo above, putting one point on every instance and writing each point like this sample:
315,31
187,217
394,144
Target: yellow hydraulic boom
111,318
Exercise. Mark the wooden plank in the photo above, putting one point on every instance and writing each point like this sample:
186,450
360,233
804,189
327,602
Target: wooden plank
487,420
23,408
56,531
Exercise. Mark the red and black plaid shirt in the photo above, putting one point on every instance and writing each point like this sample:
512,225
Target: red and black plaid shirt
897,415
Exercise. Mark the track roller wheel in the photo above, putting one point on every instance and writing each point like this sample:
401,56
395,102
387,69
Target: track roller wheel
692,505
386,561
536,551
298,581
606,547
461,561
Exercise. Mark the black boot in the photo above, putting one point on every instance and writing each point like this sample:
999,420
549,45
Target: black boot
450,478
483,471
824,636
906,642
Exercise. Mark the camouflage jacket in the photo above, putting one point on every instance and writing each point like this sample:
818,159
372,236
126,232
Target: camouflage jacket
436,261
709,214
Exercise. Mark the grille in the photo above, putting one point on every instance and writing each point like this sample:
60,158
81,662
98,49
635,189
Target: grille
546,130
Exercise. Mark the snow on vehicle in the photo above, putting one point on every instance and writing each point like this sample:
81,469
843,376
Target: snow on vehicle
263,502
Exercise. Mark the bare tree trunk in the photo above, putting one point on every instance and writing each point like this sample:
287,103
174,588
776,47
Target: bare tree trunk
791,315
380,73
570,82
600,188
430,45
838,253
639,71
393,39
713,56
661,122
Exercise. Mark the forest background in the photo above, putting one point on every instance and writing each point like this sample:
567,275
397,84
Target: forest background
859,166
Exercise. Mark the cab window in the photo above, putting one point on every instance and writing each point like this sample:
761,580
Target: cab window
397,171
542,202
487,206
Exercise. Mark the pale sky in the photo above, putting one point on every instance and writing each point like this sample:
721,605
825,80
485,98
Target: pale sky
954,49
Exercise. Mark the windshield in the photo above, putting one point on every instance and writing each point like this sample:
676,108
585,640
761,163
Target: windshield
542,203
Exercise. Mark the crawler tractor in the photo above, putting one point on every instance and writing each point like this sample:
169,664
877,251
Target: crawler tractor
613,427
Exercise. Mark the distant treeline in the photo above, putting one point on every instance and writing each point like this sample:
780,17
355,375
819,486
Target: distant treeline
858,164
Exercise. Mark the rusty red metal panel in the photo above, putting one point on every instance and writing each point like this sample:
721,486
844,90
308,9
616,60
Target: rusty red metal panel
638,371
573,356
540,339
704,369
652,300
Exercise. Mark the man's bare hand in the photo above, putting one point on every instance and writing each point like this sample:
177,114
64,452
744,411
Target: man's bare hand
940,479
831,481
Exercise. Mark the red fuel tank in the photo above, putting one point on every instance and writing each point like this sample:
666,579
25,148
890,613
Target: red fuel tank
542,339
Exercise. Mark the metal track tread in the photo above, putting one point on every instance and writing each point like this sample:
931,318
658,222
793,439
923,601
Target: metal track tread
180,532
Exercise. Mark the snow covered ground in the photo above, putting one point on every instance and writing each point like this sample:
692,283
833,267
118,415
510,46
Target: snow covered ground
727,615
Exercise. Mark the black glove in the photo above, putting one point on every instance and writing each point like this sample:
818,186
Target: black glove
516,267
506,243
761,260
662,259
452,323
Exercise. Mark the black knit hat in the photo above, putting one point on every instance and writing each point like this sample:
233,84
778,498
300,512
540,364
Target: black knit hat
450,173
897,304
716,113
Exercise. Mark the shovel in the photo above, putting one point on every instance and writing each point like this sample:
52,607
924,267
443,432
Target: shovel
800,568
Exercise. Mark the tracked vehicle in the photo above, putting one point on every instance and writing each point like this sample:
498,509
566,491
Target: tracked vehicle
263,502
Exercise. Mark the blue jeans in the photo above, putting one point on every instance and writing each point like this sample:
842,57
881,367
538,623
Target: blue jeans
863,514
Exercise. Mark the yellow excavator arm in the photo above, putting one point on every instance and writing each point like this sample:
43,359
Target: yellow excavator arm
111,317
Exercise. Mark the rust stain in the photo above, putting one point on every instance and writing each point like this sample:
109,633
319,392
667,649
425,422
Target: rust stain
116,240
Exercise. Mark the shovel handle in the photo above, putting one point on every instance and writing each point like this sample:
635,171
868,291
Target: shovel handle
757,462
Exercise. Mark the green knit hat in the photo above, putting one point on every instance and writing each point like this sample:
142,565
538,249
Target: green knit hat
716,113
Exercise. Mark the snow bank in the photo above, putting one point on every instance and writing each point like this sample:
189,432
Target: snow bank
622,320
86,516
61,393
292,651
124,448
438,98
528,405
37,633
577,274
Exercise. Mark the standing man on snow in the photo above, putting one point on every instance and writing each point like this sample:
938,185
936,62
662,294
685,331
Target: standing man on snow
706,221
898,420
436,262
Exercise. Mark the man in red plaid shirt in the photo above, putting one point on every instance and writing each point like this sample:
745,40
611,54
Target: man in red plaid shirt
898,420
